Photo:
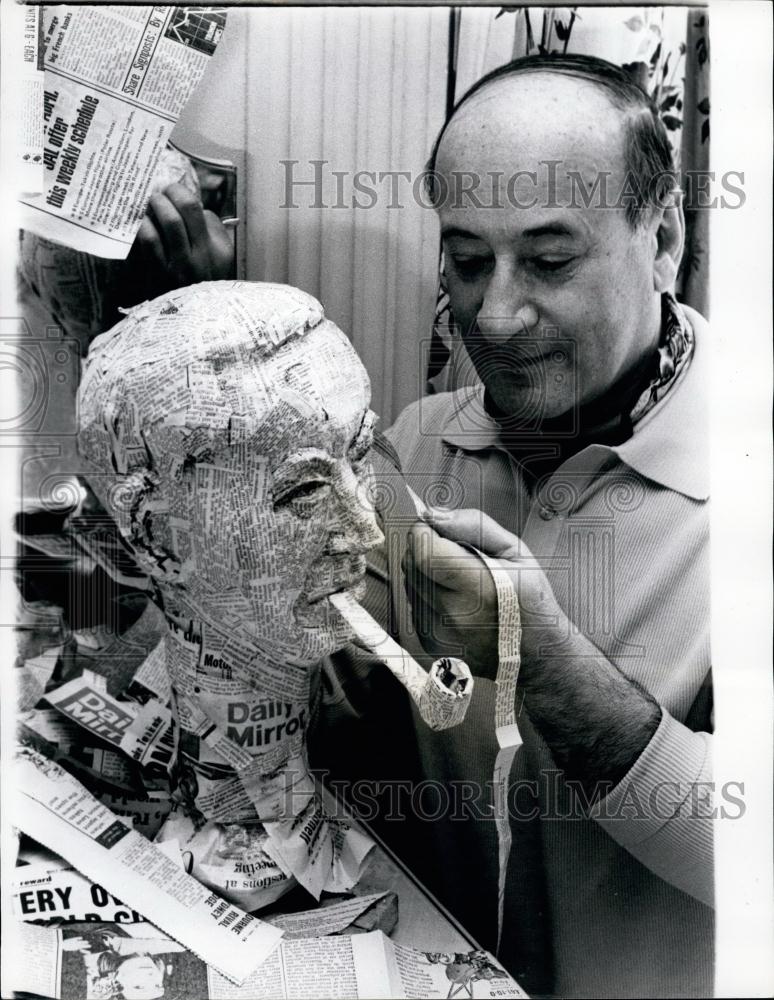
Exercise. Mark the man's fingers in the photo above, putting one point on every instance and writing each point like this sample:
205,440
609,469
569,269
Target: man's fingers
221,247
442,560
149,247
174,234
191,212
473,527
182,242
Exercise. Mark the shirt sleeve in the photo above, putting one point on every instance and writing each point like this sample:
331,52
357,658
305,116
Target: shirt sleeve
149,946
661,812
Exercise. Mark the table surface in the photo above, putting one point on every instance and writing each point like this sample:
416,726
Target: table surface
423,923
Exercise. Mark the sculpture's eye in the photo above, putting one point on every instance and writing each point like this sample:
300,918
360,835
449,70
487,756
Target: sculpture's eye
305,497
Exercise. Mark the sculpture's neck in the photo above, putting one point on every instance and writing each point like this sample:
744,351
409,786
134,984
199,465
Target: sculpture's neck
201,649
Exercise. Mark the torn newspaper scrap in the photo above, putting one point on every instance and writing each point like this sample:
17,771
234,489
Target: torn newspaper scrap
509,739
116,79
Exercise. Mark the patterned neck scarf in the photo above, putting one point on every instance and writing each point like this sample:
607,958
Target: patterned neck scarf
675,350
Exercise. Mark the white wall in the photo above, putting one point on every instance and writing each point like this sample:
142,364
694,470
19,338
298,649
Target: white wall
364,89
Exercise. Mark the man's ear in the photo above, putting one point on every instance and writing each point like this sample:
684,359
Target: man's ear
670,236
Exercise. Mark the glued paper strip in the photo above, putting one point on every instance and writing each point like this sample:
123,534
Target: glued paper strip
506,729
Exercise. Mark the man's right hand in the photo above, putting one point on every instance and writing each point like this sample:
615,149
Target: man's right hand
453,595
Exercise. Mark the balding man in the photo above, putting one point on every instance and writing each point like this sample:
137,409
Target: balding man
584,449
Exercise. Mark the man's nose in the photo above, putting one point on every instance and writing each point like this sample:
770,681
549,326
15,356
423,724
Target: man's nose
506,310
354,520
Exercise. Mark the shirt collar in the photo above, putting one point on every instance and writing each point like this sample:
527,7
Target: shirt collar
669,445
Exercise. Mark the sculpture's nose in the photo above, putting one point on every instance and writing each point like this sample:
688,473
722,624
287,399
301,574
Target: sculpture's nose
353,528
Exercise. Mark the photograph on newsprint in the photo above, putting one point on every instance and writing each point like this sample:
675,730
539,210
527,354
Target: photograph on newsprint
386,542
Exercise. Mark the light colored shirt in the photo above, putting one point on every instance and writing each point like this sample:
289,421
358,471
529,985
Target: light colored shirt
623,890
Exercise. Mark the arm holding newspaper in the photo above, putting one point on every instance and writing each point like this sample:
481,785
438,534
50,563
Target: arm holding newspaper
179,242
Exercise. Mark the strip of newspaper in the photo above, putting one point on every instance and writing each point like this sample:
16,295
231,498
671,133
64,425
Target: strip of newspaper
116,80
58,812
90,960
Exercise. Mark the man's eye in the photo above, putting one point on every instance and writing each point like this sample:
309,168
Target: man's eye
551,265
470,268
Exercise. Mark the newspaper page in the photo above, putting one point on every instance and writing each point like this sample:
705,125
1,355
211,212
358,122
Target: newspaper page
116,80
43,895
89,960
23,23
58,812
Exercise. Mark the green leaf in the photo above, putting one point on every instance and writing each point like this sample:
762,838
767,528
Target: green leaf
672,122
635,23
705,130
704,106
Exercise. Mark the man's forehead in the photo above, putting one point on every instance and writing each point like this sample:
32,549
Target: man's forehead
517,121
539,223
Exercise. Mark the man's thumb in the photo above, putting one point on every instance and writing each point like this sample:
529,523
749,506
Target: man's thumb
469,526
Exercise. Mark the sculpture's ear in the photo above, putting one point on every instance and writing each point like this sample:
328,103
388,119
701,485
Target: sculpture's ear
134,502
97,532
118,531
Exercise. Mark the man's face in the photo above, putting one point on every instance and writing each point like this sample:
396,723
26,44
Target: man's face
555,301
279,505
140,978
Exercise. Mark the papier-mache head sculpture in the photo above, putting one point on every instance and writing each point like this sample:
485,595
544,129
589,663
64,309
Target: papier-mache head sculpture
228,429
